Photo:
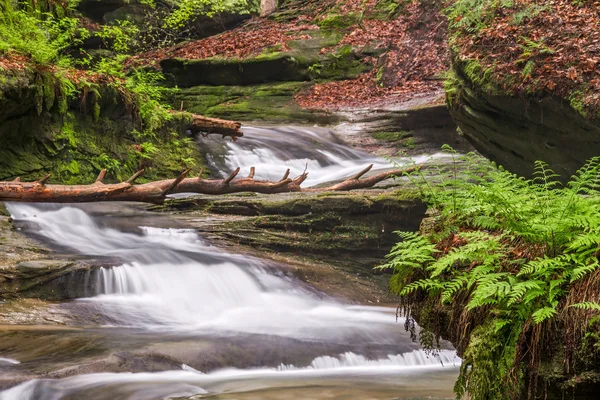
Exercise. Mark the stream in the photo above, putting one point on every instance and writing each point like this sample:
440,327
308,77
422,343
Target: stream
319,151
170,316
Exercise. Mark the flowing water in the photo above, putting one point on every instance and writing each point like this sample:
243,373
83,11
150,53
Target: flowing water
187,320
316,150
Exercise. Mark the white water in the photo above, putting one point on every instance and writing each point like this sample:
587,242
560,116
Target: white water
177,282
170,280
188,382
273,150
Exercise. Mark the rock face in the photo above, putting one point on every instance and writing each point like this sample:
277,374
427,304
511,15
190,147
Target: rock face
355,229
515,132
37,135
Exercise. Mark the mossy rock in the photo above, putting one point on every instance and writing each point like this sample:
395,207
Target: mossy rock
273,67
328,224
336,22
271,102
391,137
75,145
517,131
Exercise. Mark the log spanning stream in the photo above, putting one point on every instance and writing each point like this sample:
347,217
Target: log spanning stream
172,317
316,150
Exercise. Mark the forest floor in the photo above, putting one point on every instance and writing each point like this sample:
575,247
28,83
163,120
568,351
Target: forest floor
410,38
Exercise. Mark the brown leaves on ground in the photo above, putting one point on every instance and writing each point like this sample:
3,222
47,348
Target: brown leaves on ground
248,40
556,51
415,42
13,62
416,57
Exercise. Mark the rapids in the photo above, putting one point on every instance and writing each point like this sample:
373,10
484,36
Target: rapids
169,287
317,150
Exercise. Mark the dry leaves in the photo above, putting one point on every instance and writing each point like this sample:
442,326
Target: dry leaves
556,51
248,40
416,55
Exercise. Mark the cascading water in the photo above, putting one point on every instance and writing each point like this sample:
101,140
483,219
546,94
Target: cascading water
170,283
317,150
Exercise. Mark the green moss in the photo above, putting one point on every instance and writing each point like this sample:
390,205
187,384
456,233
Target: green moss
409,143
390,136
388,9
76,146
67,131
343,64
273,102
576,101
327,223
338,21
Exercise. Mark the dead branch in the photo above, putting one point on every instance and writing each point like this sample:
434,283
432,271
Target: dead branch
206,126
156,192
357,183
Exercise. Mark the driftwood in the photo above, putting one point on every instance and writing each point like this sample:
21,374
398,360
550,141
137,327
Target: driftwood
156,192
206,126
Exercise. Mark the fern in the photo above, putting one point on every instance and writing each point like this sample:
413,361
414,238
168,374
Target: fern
588,306
505,245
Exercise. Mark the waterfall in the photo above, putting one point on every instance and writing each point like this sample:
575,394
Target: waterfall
174,280
317,150
169,283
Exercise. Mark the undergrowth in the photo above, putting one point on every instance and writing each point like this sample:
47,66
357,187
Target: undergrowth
42,44
528,48
512,263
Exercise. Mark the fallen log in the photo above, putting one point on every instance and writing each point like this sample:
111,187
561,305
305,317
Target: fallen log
156,192
206,126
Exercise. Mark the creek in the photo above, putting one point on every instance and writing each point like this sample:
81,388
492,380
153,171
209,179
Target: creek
171,316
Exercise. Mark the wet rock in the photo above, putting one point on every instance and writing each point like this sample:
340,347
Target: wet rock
415,128
515,132
30,269
353,231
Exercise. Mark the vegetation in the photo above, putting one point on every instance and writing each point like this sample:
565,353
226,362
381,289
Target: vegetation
512,265
167,23
528,48
42,49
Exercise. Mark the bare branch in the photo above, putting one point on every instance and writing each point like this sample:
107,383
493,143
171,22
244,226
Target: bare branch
176,182
252,172
101,175
231,176
135,176
361,173
42,182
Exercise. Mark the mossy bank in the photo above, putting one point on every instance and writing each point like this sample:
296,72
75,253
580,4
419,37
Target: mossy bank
43,132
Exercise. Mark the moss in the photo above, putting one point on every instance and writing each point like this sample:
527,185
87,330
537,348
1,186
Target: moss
74,147
338,21
391,136
388,9
343,64
352,230
273,102
409,143
576,101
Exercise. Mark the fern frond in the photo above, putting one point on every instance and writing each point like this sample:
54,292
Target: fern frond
587,305
543,314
